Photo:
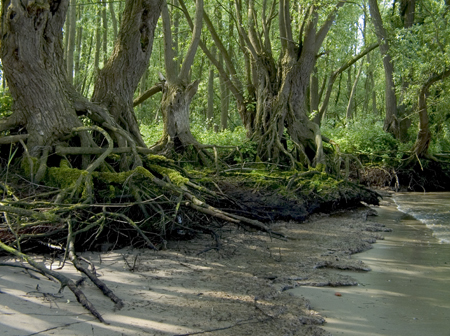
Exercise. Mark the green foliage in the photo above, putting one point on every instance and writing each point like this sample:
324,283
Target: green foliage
237,137
152,133
364,137
5,105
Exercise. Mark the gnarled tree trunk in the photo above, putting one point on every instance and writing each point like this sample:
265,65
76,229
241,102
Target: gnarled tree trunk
32,58
45,103
281,110
118,80
177,91
175,110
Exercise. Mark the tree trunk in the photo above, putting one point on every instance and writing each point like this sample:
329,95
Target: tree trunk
113,19
177,91
391,123
78,46
98,41
423,139
72,26
224,99
350,106
175,102
282,88
210,108
104,32
117,81
45,103
314,93
35,70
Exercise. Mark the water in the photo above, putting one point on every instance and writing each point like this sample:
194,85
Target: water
407,291
432,209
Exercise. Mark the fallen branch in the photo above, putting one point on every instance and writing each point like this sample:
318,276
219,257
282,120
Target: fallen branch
100,284
64,281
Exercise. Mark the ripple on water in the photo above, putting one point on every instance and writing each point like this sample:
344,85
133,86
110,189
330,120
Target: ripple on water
432,209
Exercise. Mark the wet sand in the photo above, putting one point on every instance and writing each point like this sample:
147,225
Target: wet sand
406,293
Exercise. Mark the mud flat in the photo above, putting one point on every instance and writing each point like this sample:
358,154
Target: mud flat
406,293
243,285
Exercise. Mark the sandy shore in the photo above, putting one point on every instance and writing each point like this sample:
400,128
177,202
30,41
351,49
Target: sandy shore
242,289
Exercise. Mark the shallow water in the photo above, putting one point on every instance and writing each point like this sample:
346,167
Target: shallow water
433,209
407,293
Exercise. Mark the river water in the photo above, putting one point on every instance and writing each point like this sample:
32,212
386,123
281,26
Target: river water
432,209
407,293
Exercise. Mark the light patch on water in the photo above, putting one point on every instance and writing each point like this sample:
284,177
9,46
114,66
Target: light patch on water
432,209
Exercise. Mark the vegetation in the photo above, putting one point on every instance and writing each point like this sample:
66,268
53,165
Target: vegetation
127,122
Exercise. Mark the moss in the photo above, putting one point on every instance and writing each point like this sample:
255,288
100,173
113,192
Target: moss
109,177
121,177
26,167
157,159
174,176
63,176
50,216
320,167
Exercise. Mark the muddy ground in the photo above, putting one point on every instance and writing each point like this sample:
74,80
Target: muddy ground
240,289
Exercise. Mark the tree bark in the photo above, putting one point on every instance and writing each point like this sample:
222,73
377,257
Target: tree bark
423,139
33,64
175,103
391,122
177,91
45,103
117,81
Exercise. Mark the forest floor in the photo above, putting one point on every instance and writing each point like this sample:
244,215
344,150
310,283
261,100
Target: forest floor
240,289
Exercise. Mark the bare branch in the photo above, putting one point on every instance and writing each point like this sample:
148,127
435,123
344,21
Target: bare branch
189,59
171,68
147,94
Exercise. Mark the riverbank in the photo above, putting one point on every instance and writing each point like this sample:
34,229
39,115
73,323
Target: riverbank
190,288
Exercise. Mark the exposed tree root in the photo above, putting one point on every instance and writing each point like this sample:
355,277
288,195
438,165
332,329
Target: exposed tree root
117,196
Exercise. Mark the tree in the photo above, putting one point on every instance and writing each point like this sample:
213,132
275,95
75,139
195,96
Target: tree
423,139
282,85
274,104
178,91
421,54
319,116
117,81
391,121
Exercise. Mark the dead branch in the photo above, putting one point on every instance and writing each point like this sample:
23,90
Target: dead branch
100,284
64,281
